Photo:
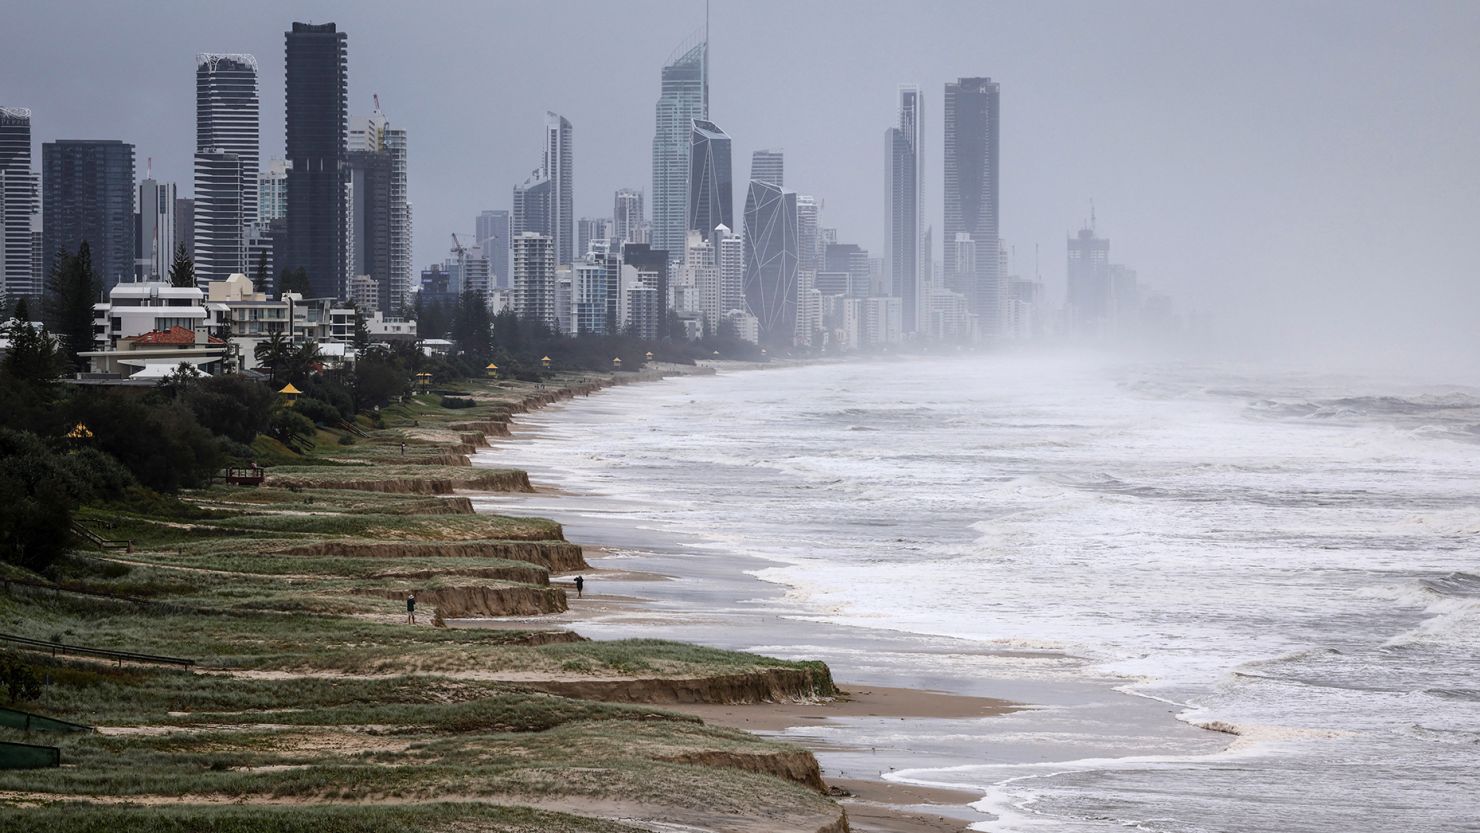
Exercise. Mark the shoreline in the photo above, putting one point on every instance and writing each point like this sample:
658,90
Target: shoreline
874,804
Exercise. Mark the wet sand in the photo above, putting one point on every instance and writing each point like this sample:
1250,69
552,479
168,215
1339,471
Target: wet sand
856,701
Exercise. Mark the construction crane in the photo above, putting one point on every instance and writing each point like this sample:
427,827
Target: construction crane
462,262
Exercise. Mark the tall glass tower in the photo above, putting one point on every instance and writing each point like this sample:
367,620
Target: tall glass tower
684,98
559,165
711,188
771,261
317,121
88,194
904,178
971,193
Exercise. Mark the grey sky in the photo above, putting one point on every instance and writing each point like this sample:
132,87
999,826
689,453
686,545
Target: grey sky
1316,156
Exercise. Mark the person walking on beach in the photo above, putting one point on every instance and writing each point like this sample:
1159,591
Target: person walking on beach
580,586
410,608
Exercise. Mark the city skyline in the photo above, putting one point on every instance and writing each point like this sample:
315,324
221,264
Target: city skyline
1052,167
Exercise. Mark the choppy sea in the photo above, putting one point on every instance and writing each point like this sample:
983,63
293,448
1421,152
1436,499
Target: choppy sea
1290,560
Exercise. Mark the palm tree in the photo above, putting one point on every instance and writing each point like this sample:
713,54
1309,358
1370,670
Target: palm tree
303,361
274,353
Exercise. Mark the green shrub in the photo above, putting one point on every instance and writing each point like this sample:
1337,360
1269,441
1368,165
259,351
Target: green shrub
457,402
321,412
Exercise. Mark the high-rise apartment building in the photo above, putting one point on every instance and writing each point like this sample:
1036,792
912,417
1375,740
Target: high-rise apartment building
272,191
684,97
378,217
711,189
19,203
543,203
729,249
809,254
317,118
154,230
971,192
185,225
227,156
1089,286
88,194
627,216
534,278
771,261
491,229
559,166
768,166
904,178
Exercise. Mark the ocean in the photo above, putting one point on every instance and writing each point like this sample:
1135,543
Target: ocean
1231,600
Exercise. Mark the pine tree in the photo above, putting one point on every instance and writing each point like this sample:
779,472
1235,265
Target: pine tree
22,310
32,356
260,279
71,292
182,269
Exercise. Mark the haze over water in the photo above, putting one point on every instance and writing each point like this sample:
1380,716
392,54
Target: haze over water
1288,557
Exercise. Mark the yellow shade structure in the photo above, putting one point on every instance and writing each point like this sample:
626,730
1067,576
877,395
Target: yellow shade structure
616,361
491,371
649,355
545,361
289,393
80,431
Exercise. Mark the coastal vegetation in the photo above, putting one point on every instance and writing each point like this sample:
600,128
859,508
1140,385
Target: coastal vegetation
281,687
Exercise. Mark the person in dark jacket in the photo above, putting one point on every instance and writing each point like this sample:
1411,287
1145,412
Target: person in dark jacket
410,608
580,586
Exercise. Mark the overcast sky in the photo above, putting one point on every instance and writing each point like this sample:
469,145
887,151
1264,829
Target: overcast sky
1311,162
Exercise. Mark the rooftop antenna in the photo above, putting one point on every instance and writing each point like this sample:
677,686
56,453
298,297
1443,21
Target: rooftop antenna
1092,214
149,168
376,98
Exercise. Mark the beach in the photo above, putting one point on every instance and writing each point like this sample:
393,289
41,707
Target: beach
1053,555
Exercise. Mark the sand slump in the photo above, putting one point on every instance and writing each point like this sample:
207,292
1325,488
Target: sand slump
796,765
489,480
434,506
479,601
555,556
767,685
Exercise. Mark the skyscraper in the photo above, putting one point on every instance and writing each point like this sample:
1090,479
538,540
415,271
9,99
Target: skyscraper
154,230
971,192
771,261
711,190
378,215
684,97
220,216
534,278
533,211
1089,296
559,165
88,194
491,230
18,207
543,203
809,255
627,216
227,156
730,258
317,57
768,166
904,179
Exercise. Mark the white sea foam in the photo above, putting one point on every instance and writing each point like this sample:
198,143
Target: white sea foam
1282,557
